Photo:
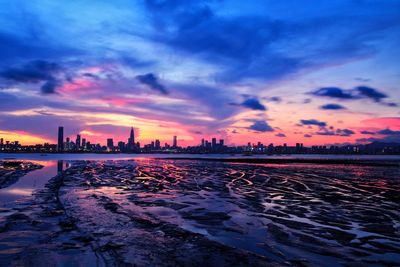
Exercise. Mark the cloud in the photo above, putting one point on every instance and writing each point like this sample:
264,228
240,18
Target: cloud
151,80
333,92
338,132
259,46
359,92
261,126
387,131
276,99
307,135
34,72
369,92
332,107
253,103
31,72
367,132
50,86
280,135
313,122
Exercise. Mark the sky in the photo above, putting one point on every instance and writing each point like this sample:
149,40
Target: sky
315,72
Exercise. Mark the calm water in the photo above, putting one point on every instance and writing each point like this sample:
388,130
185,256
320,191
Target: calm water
34,180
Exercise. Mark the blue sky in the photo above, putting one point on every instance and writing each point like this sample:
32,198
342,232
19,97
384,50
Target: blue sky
244,71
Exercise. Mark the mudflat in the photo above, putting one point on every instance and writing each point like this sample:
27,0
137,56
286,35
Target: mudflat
208,213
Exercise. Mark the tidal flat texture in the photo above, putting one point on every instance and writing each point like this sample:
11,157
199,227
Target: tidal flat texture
199,213
11,171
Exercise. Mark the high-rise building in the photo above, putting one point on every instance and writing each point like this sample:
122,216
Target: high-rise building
110,143
202,142
60,144
131,140
121,145
67,143
1,141
158,144
175,142
221,142
83,143
78,141
214,142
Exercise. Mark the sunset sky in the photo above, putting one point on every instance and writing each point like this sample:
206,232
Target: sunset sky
317,72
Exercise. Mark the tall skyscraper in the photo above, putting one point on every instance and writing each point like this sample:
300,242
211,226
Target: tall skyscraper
67,144
158,144
60,145
110,143
131,140
221,142
83,143
202,142
175,142
78,141
214,142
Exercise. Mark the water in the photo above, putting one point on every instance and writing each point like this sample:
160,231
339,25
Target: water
32,181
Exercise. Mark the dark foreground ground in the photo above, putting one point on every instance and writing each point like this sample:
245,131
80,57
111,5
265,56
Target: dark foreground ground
11,171
200,213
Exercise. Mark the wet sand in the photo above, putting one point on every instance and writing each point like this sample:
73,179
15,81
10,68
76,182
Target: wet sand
11,171
204,213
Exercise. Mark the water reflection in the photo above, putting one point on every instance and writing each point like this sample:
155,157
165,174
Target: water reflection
32,181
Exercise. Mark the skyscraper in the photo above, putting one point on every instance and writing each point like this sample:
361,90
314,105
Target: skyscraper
158,144
131,140
83,143
78,141
175,142
110,143
214,142
60,145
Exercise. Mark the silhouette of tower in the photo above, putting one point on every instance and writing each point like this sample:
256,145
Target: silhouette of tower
60,145
131,140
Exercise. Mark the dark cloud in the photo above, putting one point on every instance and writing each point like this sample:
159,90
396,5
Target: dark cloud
280,135
253,103
359,92
332,107
307,135
261,126
313,122
151,81
367,132
333,92
34,72
369,92
388,132
31,72
276,99
50,86
338,132
254,46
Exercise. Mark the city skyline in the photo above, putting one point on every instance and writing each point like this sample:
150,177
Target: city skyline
318,73
82,145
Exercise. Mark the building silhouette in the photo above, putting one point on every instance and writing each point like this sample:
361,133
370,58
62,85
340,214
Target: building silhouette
60,145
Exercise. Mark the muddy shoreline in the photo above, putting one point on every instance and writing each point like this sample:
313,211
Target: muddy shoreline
206,213
356,162
11,171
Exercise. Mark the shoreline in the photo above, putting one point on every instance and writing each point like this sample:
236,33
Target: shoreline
357,162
